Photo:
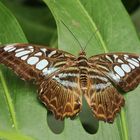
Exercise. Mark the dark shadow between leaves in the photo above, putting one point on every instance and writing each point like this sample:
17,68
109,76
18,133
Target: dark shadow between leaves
34,3
89,122
56,126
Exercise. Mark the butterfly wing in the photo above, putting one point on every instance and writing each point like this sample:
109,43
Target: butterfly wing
109,74
102,97
31,62
52,71
61,93
122,69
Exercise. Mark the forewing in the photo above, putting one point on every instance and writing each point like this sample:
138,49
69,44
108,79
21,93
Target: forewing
61,93
54,73
122,69
102,97
31,62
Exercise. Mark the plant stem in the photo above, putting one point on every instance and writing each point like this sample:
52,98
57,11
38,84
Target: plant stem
9,101
124,125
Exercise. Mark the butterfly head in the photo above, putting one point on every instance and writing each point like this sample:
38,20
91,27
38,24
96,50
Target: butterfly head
82,53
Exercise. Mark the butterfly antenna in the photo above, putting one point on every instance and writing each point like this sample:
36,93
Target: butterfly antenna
89,40
73,35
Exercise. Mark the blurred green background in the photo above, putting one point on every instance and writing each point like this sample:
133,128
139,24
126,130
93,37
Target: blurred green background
43,30
39,27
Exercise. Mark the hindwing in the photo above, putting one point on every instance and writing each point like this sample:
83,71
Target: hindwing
61,93
103,98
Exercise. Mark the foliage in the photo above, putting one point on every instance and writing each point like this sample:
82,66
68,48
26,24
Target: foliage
22,116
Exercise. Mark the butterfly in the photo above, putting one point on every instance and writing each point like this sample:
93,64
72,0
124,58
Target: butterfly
63,79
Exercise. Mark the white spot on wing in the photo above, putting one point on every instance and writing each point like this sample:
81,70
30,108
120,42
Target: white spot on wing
139,58
116,77
32,50
102,86
45,71
99,77
133,62
126,68
52,53
107,57
65,82
43,50
69,84
32,60
132,66
30,47
38,54
119,71
103,67
42,64
120,61
18,50
19,54
115,56
8,47
63,75
126,56
11,49
48,71
24,57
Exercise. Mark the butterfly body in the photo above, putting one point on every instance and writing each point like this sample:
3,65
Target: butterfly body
63,79
82,64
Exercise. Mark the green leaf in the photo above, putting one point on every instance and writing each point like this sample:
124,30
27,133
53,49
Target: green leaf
115,33
112,31
135,18
10,30
37,30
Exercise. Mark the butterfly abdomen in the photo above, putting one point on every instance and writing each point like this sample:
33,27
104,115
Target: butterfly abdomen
83,77
83,69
